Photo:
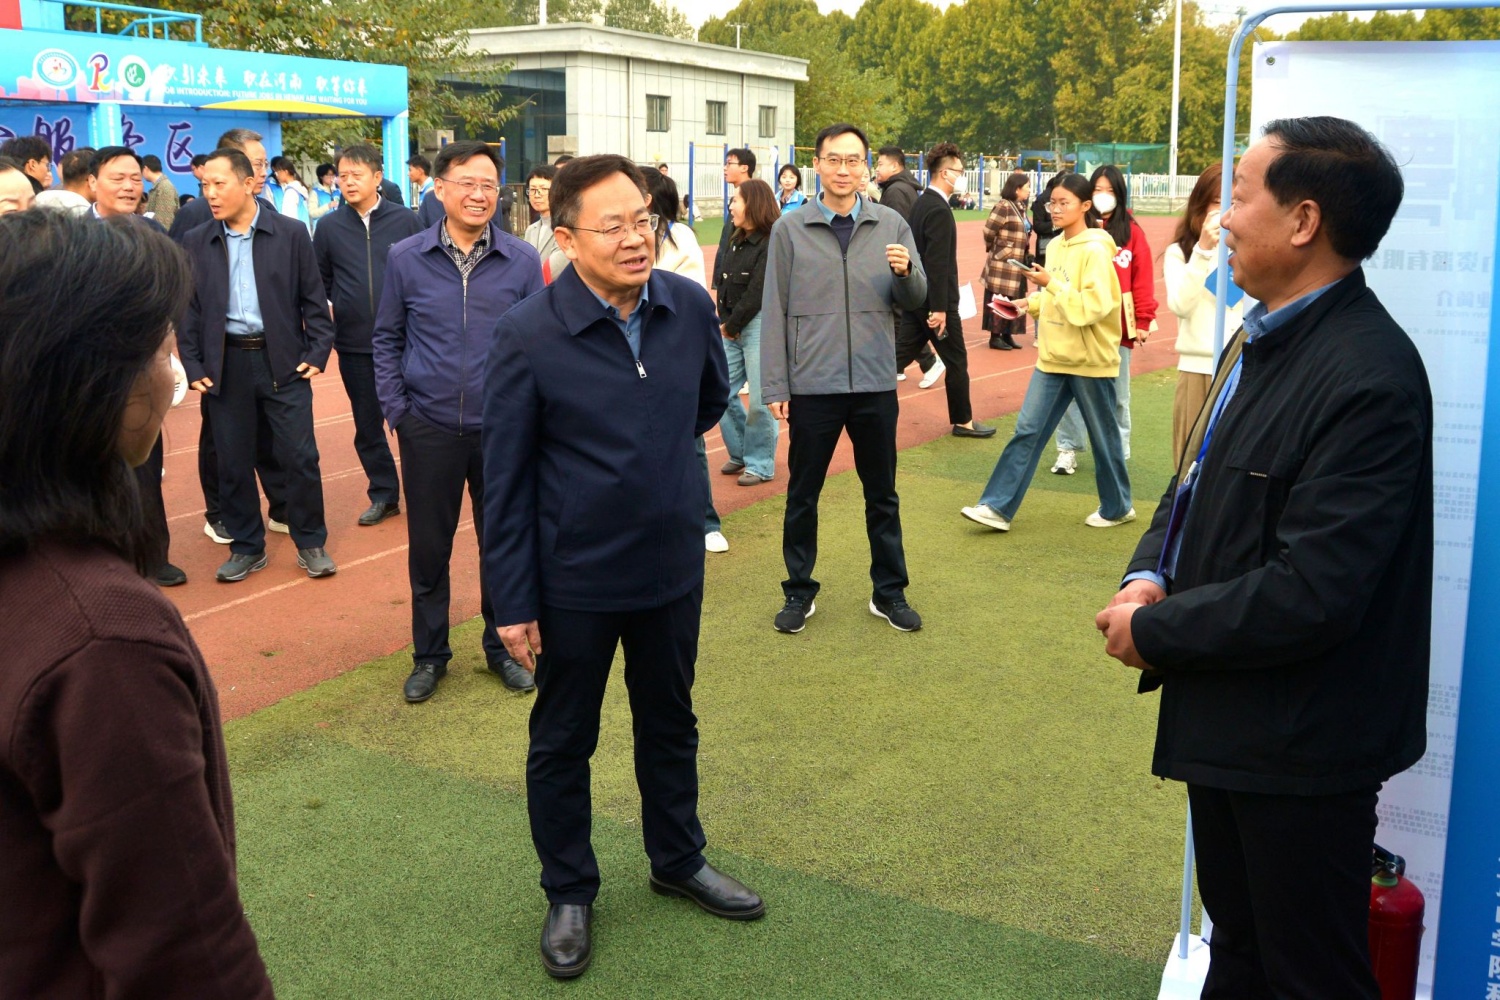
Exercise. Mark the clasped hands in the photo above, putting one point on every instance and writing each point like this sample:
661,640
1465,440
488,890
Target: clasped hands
1114,621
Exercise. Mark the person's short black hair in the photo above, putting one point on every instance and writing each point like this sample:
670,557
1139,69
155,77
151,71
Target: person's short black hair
1344,169
743,157
183,199
836,130
942,151
324,169
564,158
75,165
112,291
200,159
109,153
7,164
238,161
666,203
1013,184
463,152
236,138
583,173
422,163
545,171
25,148
795,172
362,153
893,153
151,162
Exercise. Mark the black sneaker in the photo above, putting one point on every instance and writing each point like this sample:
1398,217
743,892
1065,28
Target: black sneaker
793,616
170,576
900,614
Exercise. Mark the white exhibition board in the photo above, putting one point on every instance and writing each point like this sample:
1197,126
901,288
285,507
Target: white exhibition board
1436,105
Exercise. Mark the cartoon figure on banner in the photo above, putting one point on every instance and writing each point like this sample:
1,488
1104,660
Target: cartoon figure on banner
180,147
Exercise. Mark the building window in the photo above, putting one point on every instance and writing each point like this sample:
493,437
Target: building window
715,117
767,122
658,113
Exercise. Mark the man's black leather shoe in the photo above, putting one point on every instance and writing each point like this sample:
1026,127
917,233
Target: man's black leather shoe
566,942
513,675
378,512
715,892
977,431
424,681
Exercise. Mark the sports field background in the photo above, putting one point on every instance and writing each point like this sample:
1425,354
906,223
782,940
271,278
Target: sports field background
966,811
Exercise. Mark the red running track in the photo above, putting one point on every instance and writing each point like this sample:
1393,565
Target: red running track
279,632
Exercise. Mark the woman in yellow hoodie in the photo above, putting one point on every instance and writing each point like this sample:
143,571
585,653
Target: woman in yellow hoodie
1077,307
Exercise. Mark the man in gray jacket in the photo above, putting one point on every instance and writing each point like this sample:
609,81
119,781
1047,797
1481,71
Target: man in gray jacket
836,269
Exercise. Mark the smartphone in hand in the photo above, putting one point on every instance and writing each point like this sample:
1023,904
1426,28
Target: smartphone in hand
1014,262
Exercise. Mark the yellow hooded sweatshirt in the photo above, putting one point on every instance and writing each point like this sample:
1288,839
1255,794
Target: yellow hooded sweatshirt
1078,313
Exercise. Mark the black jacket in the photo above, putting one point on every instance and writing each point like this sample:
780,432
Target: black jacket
900,192
292,304
1292,652
936,236
196,212
351,262
741,281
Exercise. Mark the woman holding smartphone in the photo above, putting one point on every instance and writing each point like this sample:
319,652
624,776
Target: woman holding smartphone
1007,233
1077,307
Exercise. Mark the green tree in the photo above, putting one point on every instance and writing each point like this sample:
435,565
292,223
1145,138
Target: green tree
656,17
884,30
1093,45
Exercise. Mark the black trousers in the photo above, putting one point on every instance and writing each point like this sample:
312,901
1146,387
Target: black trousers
439,464
246,395
815,423
1286,879
272,479
912,337
358,373
661,650
153,510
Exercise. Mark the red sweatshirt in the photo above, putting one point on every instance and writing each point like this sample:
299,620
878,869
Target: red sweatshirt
116,831
1137,285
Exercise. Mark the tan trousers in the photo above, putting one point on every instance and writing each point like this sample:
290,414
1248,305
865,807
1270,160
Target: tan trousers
1192,392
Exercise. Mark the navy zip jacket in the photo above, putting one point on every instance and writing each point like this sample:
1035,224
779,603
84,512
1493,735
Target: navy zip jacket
292,304
593,492
434,327
351,260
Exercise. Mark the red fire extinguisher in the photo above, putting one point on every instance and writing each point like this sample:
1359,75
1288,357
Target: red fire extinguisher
1396,909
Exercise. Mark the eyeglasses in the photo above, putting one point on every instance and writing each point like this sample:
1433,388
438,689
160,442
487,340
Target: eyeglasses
851,162
732,163
534,189
260,164
487,188
617,234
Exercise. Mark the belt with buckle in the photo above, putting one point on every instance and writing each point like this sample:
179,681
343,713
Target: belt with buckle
253,342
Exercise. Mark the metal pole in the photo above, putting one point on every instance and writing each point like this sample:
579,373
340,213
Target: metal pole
1186,926
1176,100
504,161
692,200
981,182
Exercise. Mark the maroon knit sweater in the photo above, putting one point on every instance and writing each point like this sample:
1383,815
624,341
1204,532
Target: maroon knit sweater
117,875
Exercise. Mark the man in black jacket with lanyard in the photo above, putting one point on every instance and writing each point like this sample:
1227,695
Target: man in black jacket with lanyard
1281,599
936,236
256,330
351,244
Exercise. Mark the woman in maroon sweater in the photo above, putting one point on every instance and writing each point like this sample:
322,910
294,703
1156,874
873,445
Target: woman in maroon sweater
117,875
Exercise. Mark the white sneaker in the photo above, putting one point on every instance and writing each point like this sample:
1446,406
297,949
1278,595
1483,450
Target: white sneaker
986,515
1066,464
901,376
215,531
1097,520
745,389
933,374
715,541
276,525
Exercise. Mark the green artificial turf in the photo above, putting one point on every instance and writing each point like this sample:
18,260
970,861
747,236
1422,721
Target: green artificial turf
965,811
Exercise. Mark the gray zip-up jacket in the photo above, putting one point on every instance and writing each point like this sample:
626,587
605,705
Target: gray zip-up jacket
826,320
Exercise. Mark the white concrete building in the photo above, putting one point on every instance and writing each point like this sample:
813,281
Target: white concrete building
596,90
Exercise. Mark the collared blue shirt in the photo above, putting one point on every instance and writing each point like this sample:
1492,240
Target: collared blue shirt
243,318
829,213
631,327
1258,322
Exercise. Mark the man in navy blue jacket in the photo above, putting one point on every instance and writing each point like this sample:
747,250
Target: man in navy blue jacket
352,243
444,289
256,330
594,536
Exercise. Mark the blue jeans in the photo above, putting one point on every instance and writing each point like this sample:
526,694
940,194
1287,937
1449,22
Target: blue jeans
1070,431
750,438
1047,397
711,522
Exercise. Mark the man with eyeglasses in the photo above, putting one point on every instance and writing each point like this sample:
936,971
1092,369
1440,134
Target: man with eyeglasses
352,243
594,537
836,269
272,479
444,289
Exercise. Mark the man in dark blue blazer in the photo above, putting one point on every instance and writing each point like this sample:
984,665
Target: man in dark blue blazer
597,388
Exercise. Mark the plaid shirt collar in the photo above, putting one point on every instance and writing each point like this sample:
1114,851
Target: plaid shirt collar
465,261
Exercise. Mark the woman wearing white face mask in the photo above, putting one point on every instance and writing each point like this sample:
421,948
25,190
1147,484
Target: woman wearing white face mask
1137,309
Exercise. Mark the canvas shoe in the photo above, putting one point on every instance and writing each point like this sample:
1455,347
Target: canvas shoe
986,515
1097,520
